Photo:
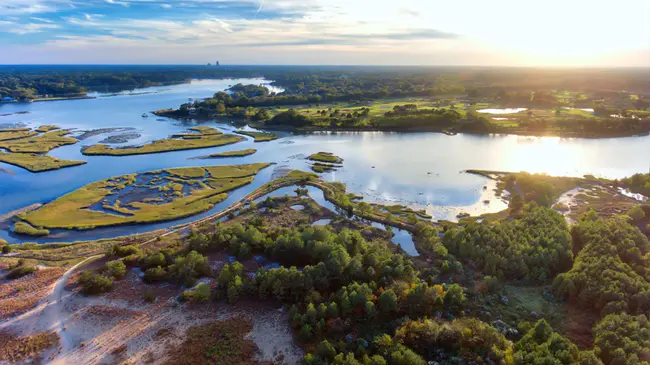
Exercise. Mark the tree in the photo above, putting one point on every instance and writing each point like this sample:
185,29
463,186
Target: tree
326,350
388,302
235,288
455,297
623,339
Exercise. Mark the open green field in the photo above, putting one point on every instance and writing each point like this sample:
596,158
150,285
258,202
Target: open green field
42,143
206,137
143,198
37,163
259,136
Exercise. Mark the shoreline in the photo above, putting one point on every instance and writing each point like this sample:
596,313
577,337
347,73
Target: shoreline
450,132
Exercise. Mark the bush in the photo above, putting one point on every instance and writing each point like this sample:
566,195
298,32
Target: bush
637,214
20,271
123,251
199,294
149,297
93,283
116,269
155,275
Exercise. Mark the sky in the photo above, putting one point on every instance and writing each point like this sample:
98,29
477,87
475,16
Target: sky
558,33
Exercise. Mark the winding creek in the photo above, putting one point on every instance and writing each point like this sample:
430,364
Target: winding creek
421,170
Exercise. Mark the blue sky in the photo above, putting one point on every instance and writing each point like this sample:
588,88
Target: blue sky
382,32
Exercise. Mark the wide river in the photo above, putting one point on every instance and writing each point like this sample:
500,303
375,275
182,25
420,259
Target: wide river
421,170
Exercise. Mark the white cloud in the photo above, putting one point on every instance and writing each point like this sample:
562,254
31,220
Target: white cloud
115,2
29,28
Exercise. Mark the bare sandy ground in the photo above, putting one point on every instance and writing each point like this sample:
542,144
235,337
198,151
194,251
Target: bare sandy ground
121,328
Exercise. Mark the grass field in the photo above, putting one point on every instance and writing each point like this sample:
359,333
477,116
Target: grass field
143,198
206,137
37,163
42,143
259,136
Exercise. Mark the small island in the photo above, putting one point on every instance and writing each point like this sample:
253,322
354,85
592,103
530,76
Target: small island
240,153
325,162
141,198
27,148
204,138
259,136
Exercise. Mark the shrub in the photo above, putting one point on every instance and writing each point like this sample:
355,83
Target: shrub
199,294
20,271
155,275
123,251
93,283
116,269
637,214
149,297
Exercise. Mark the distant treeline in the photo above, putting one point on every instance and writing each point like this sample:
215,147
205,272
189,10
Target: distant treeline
342,83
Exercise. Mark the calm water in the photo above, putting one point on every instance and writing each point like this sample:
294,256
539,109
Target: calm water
422,170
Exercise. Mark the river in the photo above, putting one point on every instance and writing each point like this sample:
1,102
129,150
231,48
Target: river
421,170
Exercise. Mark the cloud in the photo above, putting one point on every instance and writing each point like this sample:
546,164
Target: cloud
306,28
29,28
115,2
41,19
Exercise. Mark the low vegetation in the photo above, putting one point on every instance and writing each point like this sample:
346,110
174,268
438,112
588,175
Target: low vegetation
27,229
161,195
325,157
41,143
240,153
18,348
23,293
218,343
27,148
259,136
205,137
37,163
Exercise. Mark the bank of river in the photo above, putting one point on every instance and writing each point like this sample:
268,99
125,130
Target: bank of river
421,170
